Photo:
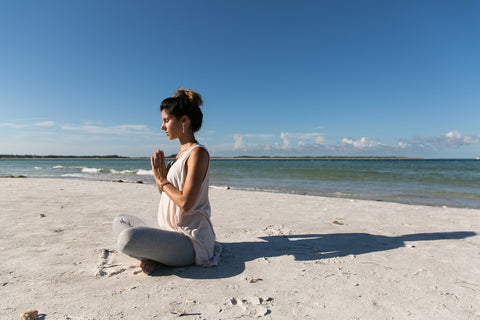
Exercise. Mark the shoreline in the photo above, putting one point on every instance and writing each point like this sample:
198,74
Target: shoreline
336,195
110,157
426,182
113,157
383,260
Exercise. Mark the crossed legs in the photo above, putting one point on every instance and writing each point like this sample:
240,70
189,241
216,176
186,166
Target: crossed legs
152,245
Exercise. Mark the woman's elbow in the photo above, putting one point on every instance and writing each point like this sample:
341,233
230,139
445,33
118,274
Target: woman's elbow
187,202
186,206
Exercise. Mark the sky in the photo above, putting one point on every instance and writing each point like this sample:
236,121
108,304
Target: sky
278,78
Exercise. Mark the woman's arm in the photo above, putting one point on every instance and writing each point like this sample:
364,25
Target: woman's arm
197,166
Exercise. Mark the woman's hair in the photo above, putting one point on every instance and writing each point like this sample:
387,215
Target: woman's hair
185,103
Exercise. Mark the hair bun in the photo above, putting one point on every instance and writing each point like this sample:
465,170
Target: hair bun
191,95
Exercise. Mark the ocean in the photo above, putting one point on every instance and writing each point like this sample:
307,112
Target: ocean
435,182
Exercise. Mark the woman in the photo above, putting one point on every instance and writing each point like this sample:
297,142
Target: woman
184,234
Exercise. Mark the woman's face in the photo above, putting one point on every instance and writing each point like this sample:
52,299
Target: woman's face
171,125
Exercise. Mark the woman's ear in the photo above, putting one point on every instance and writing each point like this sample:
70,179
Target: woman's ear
185,120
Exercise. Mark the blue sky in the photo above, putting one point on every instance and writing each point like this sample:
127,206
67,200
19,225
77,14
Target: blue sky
277,77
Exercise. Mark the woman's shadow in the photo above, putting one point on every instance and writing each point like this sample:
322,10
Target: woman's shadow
304,247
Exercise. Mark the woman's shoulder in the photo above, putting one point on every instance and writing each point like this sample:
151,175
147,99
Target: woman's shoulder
199,158
200,151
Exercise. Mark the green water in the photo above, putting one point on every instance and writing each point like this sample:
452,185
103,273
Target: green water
430,182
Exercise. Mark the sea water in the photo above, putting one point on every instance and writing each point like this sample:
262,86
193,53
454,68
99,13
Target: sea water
437,182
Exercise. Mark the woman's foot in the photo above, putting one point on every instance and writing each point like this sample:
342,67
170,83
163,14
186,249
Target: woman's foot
148,266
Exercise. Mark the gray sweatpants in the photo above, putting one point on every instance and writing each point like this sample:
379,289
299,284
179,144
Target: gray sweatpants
140,241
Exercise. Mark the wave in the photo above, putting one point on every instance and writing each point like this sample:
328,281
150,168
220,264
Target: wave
91,170
145,172
127,171
73,175
94,170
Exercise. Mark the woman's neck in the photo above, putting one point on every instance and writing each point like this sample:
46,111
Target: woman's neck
187,142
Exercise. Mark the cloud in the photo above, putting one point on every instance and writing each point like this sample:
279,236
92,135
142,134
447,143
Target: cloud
45,124
315,144
12,125
454,139
270,144
286,141
279,144
126,129
361,143
403,145
319,140
300,139
85,128
238,142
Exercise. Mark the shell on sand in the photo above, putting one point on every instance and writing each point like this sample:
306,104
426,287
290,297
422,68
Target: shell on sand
29,315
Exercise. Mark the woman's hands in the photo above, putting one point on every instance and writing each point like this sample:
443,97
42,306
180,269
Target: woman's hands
196,167
158,167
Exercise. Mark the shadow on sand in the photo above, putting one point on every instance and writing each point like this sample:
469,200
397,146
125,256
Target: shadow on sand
305,247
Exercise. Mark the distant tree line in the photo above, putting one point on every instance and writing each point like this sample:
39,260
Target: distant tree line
319,157
30,156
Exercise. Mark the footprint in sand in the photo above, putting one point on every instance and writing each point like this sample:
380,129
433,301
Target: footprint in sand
250,307
281,230
105,267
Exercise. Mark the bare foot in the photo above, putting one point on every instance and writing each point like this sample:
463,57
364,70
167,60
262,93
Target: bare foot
148,266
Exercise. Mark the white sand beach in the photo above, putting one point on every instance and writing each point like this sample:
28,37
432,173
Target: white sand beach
285,257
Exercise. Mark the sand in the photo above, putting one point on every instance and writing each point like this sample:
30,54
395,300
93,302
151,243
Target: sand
285,257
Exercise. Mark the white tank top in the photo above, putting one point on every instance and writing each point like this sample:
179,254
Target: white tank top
194,223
